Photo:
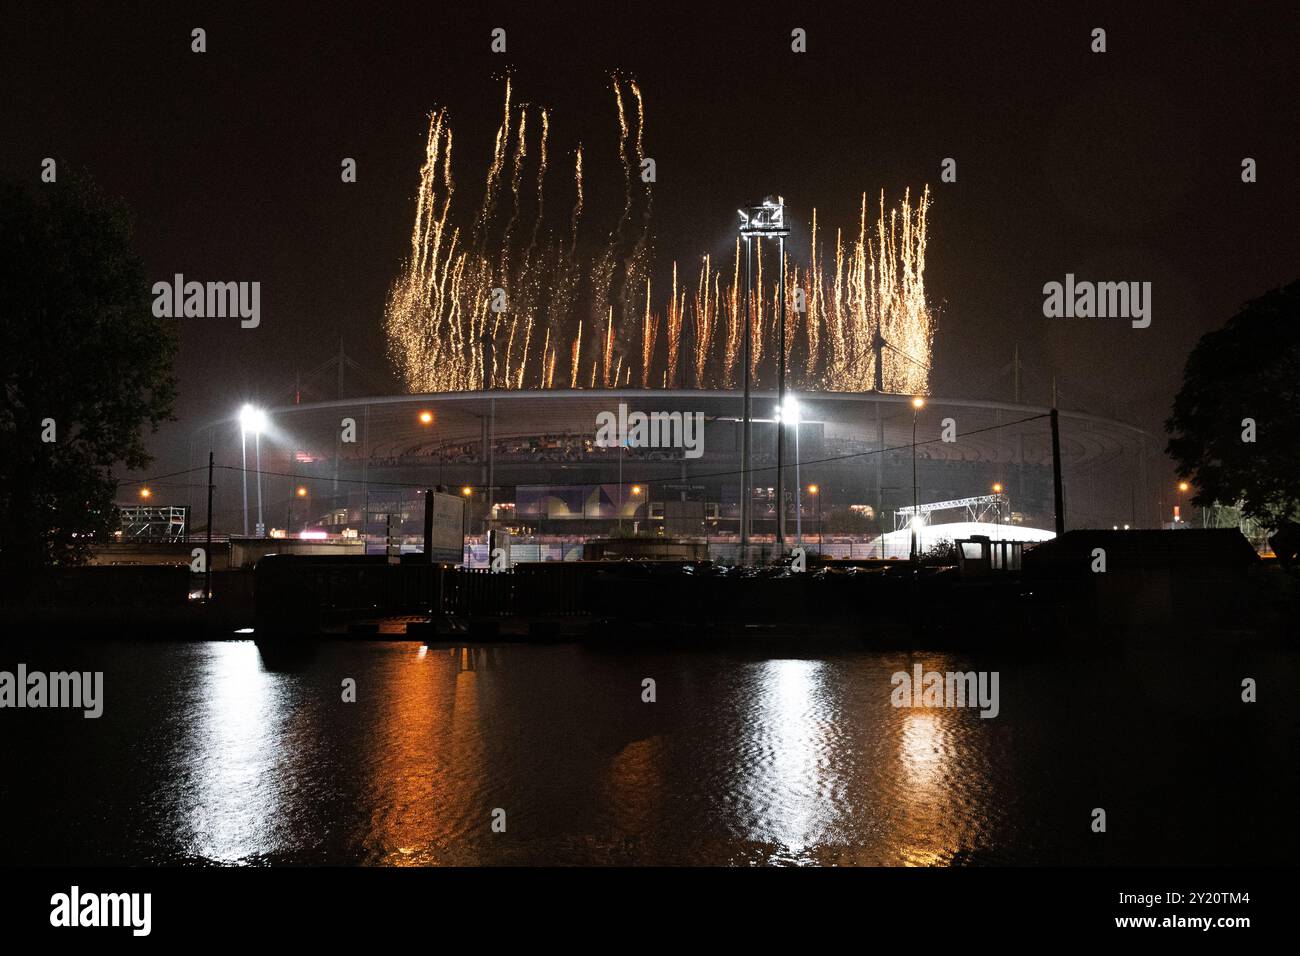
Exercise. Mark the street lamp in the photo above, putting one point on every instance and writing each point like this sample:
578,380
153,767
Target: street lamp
997,490
426,419
252,420
622,443
145,493
764,220
918,403
1178,509
636,493
815,492
467,493
301,492
788,413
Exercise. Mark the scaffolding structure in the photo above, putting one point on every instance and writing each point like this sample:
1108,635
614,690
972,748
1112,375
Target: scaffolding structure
153,522
976,508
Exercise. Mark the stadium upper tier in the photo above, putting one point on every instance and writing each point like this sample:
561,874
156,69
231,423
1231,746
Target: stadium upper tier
389,426
856,447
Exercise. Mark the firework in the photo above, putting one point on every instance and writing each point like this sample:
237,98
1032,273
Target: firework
444,336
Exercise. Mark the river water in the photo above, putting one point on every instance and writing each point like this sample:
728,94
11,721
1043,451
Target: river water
209,753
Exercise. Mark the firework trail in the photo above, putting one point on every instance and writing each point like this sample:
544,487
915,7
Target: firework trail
609,346
649,333
636,266
576,357
443,335
706,316
735,325
676,314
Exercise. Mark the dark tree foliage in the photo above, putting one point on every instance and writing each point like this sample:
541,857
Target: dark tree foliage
940,554
1249,369
81,352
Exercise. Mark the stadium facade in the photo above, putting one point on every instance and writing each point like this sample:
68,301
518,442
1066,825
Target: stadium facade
541,465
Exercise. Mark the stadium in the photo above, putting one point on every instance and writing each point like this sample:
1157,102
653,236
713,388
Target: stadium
521,359
535,464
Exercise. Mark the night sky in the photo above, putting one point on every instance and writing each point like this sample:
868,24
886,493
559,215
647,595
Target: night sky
1117,166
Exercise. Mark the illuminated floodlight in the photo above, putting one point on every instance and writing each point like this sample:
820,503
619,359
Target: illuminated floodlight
766,219
789,412
252,419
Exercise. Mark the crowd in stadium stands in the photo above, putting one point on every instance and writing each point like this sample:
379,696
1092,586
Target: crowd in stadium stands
970,476
532,448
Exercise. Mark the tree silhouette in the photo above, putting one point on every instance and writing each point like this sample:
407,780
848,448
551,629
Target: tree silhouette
85,368
1246,372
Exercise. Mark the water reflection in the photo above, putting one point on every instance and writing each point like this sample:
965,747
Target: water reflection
634,787
223,757
803,760
234,757
950,790
787,787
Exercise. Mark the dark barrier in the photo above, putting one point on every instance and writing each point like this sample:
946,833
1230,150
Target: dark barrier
139,600
478,592
154,586
553,589
532,590
304,593
301,593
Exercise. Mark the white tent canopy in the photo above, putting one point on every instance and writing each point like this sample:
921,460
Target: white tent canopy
898,544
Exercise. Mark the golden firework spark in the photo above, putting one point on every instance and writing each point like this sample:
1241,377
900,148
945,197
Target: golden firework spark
444,336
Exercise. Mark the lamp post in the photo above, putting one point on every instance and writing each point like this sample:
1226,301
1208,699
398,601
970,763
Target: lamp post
766,219
788,412
426,419
622,443
254,420
257,447
1178,509
467,493
780,400
746,502
288,520
816,493
918,403
243,469
997,490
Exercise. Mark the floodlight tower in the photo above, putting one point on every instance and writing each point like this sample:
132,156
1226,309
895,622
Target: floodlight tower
764,220
253,420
